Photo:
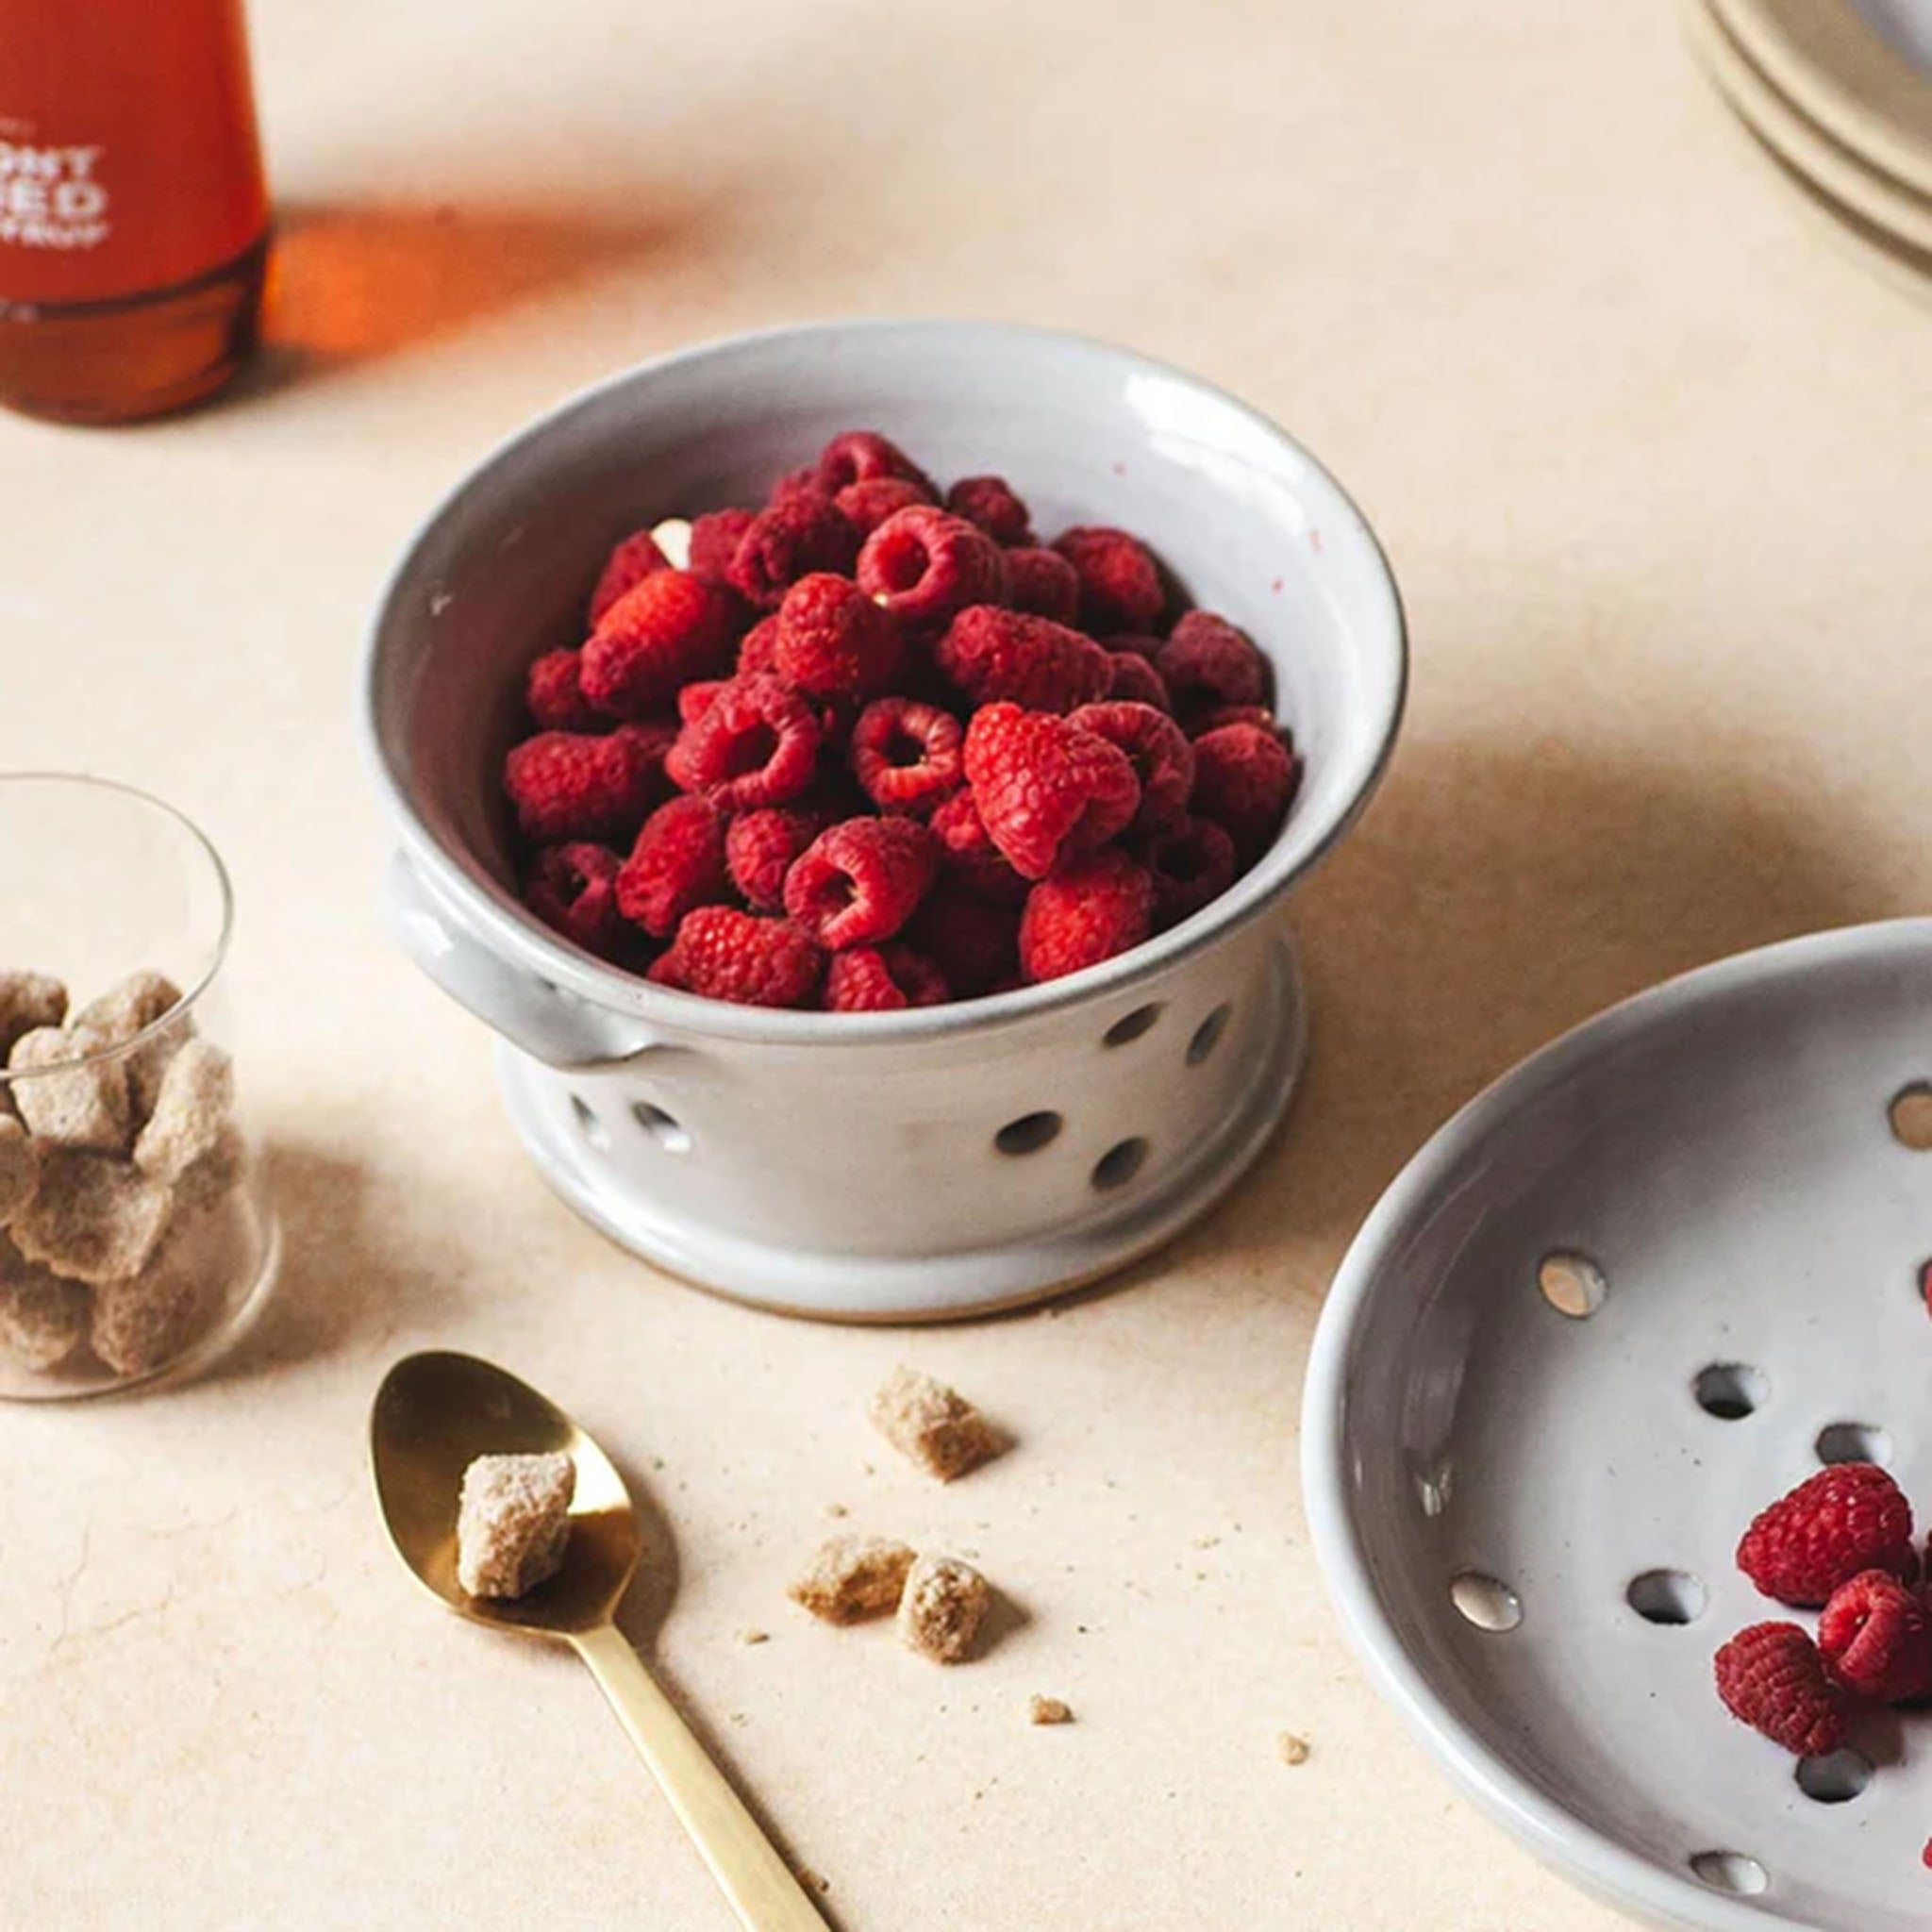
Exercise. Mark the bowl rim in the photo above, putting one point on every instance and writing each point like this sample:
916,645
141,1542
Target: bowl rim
512,930
1551,1831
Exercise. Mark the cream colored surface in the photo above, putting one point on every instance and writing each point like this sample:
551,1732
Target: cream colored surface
1650,456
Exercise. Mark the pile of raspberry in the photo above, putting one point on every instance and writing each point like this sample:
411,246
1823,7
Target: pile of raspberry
871,747
1839,1543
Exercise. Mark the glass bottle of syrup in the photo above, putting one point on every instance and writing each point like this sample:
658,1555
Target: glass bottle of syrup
133,214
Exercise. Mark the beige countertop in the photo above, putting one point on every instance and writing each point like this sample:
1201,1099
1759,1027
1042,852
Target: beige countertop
1649,452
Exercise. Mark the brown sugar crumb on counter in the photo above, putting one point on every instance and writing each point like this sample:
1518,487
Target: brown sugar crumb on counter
1048,1711
754,1637
944,1604
1292,1749
934,1425
852,1577
513,1525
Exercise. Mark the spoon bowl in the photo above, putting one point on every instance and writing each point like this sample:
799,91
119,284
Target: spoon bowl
433,1416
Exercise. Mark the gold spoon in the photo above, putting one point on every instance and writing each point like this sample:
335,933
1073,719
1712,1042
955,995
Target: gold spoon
434,1414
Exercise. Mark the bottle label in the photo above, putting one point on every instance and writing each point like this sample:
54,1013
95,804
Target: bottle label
53,197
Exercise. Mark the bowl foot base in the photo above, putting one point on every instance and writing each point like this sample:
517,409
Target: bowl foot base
874,1288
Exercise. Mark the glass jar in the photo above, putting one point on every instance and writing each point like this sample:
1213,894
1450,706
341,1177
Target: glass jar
133,214
135,1235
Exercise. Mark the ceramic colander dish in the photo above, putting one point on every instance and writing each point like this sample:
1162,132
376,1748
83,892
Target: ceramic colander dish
1644,1285
912,1163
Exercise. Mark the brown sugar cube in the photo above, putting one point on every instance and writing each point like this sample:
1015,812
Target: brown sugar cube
42,1317
214,1175
27,1002
151,1319
20,1168
513,1522
132,1007
92,1218
944,1604
84,1104
932,1424
1048,1711
852,1577
190,1109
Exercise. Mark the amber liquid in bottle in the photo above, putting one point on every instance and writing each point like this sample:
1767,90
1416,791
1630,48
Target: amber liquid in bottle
133,215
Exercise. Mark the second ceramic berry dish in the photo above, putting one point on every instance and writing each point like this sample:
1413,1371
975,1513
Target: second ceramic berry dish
1645,1284
929,1161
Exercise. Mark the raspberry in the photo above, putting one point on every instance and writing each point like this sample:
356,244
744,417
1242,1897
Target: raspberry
1207,662
1244,779
1771,1679
759,648
572,889
1162,758
1200,722
1120,584
1877,1638
991,653
722,953
627,567
1044,786
1191,866
555,699
760,849
861,881
974,945
756,742
694,700
907,754
673,628
1090,907
926,566
568,785
970,855
788,541
865,506
1043,584
882,979
863,455
677,862
1136,681
833,641
802,484
1847,1518
990,503
715,541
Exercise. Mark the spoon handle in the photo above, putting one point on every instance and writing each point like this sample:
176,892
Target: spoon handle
758,1882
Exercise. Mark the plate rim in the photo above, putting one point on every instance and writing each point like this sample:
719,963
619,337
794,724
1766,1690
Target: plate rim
1834,65
1801,143
1554,1834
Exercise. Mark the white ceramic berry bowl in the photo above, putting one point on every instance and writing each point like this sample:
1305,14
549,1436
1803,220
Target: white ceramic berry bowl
918,1163
1527,1509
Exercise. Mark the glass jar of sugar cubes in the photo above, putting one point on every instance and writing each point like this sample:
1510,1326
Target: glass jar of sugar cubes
135,1235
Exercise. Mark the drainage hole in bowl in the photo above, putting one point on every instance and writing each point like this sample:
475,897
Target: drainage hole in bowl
1911,1116
1852,1443
1667,1596
1120,1163
1834,1780
1484,1601
666,1129
1574,1285
589,1126
1207,1035
1029,1134
1731,1872
1731,1390
1130,1025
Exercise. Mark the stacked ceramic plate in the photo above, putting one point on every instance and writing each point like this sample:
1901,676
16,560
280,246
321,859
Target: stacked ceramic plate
1840,93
